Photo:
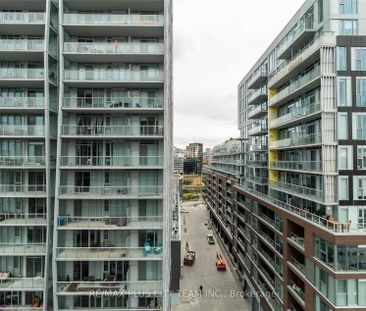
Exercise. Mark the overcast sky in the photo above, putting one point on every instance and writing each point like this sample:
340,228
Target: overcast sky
216,42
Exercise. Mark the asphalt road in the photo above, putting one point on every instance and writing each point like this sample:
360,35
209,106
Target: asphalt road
221,292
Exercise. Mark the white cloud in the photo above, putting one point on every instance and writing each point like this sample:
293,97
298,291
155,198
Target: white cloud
215,44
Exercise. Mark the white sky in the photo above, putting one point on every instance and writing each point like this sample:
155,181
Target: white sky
216,42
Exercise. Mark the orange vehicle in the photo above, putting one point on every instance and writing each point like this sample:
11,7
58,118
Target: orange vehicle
220,262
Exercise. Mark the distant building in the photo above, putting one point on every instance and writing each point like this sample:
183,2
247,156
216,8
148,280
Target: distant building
206,156
178,161
193,159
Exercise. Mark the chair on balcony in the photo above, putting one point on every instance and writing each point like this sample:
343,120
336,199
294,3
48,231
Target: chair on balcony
147,249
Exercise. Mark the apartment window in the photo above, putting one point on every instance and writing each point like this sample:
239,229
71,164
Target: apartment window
341,58
360,126
360,187
362,217
345,157
343,188
347,6
342,126
361,157
348,27
361,292
359,59
344,92
360,92
341,292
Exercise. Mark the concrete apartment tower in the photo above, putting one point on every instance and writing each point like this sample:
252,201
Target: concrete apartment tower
28,135
294,216
85,154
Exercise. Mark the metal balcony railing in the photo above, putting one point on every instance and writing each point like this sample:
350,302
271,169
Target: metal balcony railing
298,265
113,102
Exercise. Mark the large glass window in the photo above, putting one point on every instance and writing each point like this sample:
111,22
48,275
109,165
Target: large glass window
348,27
361,157
344,92
361,126
359,61
347,6
360,92
343,158
342,126
341,58
343,188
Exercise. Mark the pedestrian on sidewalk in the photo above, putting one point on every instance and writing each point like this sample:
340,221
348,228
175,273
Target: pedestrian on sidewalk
201,288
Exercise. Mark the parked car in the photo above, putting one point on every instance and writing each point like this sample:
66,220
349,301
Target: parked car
210,239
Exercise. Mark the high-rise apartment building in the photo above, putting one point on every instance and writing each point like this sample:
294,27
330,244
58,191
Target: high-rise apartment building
86,154
28,135
193,159
294,219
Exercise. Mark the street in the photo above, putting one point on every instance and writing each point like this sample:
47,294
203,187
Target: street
220,289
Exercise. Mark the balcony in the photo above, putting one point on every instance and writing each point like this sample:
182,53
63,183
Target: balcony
13,249
257,97
113,24
26,23
113,78
258,147
29,284
301,85
20,103
306,166
128,52
299,266
22,190
258,111
121,192
126,131
297,114
258,163
258,179
21,49
22,162
109,223
297,292
298,190
298,240
21,77
128,162
257,79
11,219
297,140
108,253
258,130
115,103
125,287
22,130
296,40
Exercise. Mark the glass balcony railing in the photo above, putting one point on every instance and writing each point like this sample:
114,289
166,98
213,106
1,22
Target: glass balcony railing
298,290
22,18
256,96
21,45
297,139
23,248
111,161
122,286
113,102
296,85
111,190
115,75
109,221
298,190
31,218
25,161
297,113
111,47
258,179
113,19
257,163
22,130
309,166
258,147
108,252
36,283
298,265
96,130
20,189
22,102
259,129
259,110
257,78
21,73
